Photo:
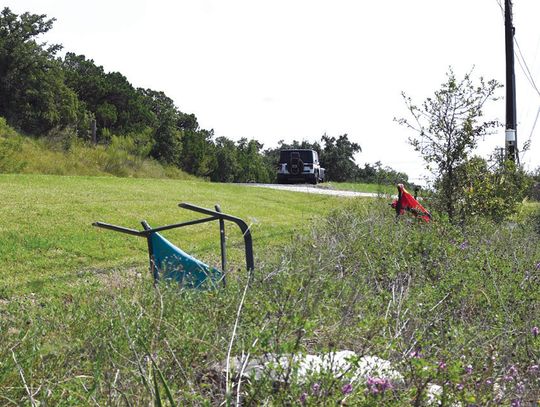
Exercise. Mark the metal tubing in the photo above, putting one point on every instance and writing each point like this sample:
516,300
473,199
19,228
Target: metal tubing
223,245
179,225
118,229
244,228
153,268
148,231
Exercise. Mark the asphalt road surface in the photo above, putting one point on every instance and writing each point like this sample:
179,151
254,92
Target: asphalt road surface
315,189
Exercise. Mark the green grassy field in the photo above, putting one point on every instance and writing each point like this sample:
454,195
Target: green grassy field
47,241
81,323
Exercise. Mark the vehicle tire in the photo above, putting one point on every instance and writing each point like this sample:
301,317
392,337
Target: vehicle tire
315,179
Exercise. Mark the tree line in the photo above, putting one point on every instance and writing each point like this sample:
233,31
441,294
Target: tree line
48,96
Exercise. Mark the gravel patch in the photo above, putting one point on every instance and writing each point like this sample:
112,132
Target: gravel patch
314,189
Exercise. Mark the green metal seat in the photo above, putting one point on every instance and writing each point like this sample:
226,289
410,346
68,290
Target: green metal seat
170,263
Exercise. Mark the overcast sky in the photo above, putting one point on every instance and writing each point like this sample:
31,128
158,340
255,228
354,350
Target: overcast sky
296,69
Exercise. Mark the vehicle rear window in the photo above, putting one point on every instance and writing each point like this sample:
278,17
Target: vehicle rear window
305,156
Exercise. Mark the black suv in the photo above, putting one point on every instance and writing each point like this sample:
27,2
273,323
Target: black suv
299,165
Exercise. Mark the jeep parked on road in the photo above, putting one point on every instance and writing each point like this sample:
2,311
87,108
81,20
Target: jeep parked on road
299,165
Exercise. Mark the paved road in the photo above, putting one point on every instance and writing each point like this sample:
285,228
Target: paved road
314,189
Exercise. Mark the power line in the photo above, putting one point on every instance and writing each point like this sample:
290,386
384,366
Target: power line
528,143
521,59
528,74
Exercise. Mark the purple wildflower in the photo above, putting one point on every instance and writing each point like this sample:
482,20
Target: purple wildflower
442,365
303,398
535,331
520,388
538,266
464,245
316,388
347,388
415,354
534,368
512,371
515,403
460,386
468,369
378,385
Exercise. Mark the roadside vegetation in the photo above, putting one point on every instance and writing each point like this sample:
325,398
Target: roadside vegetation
447,305
70,156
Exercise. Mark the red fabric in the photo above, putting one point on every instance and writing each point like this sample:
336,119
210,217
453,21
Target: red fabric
409,204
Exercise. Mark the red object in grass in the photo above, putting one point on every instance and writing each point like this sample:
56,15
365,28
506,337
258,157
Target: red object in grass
406,202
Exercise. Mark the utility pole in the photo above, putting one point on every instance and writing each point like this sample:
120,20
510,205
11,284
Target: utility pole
511,121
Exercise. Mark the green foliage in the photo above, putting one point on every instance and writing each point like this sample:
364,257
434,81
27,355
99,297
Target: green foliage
450,306
137,144
377,174
227,165
168,133
449,127
198,155
495,193
252,165
338,157
10,148
33,94
63,153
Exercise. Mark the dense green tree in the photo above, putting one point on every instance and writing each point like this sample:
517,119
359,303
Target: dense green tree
198,152
338,157
167,135
33,95
86,78
227,166
116,104
379,174
448,127
252,164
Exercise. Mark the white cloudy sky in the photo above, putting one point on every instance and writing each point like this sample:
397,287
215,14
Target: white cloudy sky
295,69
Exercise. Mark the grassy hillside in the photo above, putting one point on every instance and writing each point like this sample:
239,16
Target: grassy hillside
47,240
63,154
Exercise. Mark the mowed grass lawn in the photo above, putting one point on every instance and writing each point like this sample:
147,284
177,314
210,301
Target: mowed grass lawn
47,243
361,187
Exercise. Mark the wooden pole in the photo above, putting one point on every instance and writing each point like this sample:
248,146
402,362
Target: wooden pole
511,122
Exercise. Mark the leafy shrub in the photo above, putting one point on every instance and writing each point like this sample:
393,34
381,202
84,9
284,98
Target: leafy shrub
495,193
